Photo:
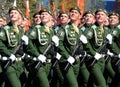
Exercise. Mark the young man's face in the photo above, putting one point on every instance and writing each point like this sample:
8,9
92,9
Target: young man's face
100,17
113,20
14,15
2,22
64,19
89,19
37,19
45,17
75,15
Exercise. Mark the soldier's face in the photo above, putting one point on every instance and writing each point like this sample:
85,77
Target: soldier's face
51,22
113,20
37,19
75,15
45,17
100,17
106,22
89,18
64,19
1,22
14,15
24,23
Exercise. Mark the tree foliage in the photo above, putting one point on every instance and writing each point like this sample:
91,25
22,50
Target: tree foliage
95,4
117,6
67,3
6,4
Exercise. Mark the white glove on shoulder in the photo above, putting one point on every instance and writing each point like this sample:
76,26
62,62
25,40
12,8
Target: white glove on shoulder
55,39
71,60
83,39
97,56
109,37
42,58
25,39
109,53
12,57
58,56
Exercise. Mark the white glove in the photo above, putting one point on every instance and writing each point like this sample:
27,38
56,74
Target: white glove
71,60
58,56
42,58
97,56
0,57
118,55
83,39
4,58
109,37
25,39
55,39
23,56
12,57
109,53
34,58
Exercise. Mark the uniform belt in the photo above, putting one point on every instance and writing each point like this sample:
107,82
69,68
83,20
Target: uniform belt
48,61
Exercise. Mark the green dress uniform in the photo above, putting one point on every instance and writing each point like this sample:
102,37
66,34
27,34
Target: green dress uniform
1,71
2,77
58,79
95,37
109,73
84,73
115,49
69,38
10,37
39,39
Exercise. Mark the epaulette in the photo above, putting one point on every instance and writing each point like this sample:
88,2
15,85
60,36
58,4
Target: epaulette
83,28
67,26
57,28
6,27
94,26
2,27
37,26
106,28
118,26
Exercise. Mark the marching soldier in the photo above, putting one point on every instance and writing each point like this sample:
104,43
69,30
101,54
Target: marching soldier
58,77
40,38
114,48
36,18
89,20
96,36
2,22
69,38
10,37
64,20
84,73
